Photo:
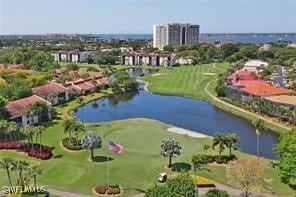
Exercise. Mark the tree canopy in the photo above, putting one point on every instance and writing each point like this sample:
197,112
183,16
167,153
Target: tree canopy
286,152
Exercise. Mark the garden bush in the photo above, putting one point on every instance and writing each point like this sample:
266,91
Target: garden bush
73,145
215,158
110,190
34,150
216,193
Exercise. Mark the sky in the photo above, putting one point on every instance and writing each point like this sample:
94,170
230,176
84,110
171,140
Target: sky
138,16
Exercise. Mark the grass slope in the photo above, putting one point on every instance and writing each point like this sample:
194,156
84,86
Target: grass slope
136,169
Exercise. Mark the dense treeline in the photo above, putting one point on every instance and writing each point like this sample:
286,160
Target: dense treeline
278,54
29,57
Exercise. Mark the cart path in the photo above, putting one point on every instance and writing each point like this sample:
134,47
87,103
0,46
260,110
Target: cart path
238,108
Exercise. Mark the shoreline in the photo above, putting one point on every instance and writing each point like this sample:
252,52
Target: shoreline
218,106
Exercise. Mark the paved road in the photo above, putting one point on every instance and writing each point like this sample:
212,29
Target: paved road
238,108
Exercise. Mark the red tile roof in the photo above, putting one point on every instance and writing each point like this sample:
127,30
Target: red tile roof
86,86
11,66
95,74
19,107
48,89
265,90
74,88
104,81
246,83
242,75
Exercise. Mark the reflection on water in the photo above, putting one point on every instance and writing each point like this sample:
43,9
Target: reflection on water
183,112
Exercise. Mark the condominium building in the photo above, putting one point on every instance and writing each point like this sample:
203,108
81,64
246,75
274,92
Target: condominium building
71,56
175,34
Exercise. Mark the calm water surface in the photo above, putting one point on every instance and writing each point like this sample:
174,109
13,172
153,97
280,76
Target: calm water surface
187,113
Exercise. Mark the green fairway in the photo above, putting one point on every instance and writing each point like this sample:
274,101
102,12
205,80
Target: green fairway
185,80
191,80
136,169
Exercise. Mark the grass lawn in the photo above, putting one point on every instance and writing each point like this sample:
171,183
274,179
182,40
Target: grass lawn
136,169
184,80
190,81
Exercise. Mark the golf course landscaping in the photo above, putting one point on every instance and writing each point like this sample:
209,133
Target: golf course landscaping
138,167
199,82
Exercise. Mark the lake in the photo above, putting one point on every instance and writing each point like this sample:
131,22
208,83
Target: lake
192,114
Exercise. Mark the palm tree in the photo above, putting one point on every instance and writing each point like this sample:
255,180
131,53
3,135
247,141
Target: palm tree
67,127
198,164
29,132
20,167
77,128
12,128
33,172
38,131
91,140
3,128
259,127
6,164
37,109
219,140
169,148
206,147
231,139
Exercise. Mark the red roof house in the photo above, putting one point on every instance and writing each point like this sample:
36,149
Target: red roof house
49,89
265,90
19,107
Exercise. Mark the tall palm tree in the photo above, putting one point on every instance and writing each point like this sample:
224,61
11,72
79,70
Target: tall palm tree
38,132
29,132
219,140
33,172
77,128
3,128
12,128
169,148
231,139
259,127
20,167
67,127
198,164
6,164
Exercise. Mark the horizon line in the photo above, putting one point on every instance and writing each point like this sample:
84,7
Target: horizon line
28,34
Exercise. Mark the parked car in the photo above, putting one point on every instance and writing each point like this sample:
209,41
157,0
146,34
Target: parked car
162,177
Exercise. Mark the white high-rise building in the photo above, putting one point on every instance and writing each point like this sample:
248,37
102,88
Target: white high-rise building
175,34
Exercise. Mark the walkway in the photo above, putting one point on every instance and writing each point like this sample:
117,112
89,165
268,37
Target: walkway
238,108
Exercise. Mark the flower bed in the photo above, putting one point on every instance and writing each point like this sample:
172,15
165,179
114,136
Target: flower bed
105,189
72,145
37,151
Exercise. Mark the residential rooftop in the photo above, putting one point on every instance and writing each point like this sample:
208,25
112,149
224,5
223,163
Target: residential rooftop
19,107
283,99
48,89
265,90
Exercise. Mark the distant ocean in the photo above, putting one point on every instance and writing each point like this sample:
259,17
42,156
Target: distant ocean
243,38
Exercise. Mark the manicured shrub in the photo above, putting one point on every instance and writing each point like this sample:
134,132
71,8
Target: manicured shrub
110,190
216,193
73,145
101,189
215,158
